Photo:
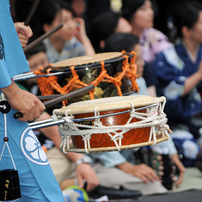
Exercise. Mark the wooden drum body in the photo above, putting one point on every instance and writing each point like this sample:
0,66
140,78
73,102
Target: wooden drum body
133,136
114,123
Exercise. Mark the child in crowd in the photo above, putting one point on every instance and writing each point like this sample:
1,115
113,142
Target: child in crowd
71,40
106,24
118,42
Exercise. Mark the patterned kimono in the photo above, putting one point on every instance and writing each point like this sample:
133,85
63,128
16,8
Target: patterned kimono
37,182
173,66
152,42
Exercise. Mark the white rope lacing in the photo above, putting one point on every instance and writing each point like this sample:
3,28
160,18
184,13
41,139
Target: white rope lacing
153,117
6,143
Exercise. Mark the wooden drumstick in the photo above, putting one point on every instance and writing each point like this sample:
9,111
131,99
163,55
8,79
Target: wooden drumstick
41,38
61,98
31,12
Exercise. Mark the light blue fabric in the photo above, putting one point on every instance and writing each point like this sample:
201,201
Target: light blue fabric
109,159
12,60
142,86
166,147
72,48
37,181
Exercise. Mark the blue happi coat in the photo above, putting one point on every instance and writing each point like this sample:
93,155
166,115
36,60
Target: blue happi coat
173,66
37,181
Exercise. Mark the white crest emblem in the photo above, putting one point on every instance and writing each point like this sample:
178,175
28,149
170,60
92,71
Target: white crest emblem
31,147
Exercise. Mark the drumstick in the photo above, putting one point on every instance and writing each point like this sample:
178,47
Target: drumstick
41,38
48,97
61,98
69,95
31,12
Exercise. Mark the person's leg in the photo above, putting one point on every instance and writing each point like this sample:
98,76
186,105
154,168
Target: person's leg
114,177
61,166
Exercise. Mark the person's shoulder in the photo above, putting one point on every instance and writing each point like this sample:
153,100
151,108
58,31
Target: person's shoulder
153,35
47,43
171,57
164,54
155,32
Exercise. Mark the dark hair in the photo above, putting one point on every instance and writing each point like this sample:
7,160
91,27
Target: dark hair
50,8
186,14
129,7
103,26
39,48
121,41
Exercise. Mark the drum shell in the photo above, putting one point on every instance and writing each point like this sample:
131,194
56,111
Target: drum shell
104,88
133,136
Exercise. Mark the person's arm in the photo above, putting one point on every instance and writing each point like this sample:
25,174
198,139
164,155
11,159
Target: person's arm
84,171
172,151
109,159
152,90
83,38
181,168
142,171
26,103
193,80
24,33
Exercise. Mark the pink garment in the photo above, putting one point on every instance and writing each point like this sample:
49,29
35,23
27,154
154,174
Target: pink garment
152,42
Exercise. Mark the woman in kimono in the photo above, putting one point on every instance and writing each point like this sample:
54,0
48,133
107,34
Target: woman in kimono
179,73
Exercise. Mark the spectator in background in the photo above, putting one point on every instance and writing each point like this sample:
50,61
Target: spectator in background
106,24
118,42
130,42
78,6
179,73
71,40
140,14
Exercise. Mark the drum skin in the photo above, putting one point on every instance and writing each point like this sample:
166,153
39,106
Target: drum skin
133,136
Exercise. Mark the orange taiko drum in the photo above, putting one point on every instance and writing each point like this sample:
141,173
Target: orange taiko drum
114,123
133,136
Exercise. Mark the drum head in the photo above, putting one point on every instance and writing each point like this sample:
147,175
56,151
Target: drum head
107,104
82,60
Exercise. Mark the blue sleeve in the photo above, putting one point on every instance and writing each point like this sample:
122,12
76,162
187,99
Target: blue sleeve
12,58
166,147
149,75
109,159
170,85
